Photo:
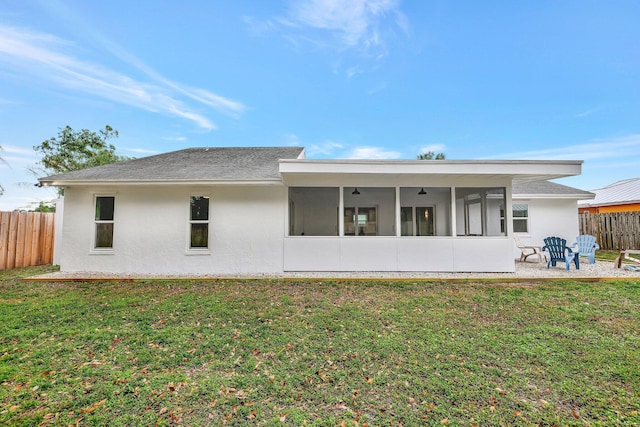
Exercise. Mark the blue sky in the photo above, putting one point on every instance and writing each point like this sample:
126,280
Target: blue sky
344,78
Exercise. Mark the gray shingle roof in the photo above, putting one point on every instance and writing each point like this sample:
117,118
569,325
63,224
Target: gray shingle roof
548,188
236,163
618,193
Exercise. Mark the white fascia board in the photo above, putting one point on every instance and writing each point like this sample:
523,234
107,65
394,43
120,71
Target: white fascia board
552,168
306,171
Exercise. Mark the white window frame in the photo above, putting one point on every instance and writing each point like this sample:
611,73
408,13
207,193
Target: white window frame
102,250
520,218
198,250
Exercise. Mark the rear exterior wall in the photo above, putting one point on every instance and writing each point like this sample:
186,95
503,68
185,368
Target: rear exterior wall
151,230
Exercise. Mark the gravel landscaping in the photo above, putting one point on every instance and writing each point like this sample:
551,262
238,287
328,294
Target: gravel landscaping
533,270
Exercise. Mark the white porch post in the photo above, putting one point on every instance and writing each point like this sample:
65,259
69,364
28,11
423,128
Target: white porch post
484,218
341,212
508,211
398,225
454,226
287,212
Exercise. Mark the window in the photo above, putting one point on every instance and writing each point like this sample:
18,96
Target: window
199,222
104,222
520,218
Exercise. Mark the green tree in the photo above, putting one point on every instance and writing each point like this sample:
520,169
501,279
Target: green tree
44,207
74,150
430,155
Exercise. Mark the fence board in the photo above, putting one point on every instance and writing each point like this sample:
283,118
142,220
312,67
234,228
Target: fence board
613,231
20,238
13,239
26,238
48,236
35,241
4,238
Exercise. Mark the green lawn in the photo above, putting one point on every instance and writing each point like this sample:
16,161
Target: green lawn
303,352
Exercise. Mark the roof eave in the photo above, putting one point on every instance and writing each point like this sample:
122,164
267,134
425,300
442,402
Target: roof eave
154,182
553,196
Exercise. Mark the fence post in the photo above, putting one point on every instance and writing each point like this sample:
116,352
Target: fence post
5,218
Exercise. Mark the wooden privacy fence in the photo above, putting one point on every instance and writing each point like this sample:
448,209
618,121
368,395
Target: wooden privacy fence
615,230
26,238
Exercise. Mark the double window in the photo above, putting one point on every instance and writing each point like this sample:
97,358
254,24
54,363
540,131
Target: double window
103,238
199,222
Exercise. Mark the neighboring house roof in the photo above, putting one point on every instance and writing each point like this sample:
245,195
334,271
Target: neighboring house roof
191,164
619,193
548,189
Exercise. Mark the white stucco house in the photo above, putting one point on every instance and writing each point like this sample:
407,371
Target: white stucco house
271,210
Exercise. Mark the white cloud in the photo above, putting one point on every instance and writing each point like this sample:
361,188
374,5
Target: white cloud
364,26
323,149
140,151
353,22
373,153
175,138
13,157
17,150
588,112
51,59
338,150
618,147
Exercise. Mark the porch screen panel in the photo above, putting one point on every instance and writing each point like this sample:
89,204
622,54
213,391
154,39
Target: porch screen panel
369,211
479,211
313,211
406,220
425,211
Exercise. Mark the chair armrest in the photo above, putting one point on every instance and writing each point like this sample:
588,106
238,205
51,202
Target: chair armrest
596,247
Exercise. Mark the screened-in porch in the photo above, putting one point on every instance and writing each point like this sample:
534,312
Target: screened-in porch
396,229
396,211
